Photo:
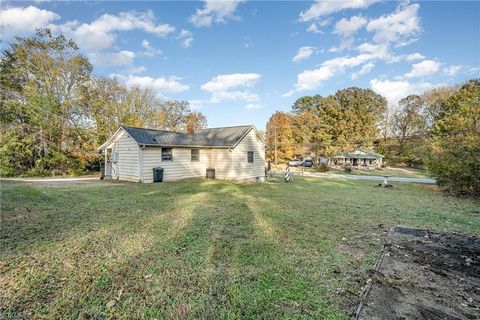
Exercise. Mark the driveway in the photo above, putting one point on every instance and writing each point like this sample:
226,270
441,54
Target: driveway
360,177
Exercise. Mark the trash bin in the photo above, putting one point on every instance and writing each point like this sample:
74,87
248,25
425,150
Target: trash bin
210,173
158,174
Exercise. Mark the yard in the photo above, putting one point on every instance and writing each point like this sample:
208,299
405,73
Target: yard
204,249
390,171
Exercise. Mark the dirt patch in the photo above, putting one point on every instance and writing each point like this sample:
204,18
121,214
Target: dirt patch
423,275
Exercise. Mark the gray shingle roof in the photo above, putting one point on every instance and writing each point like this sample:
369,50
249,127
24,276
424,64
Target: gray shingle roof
214,137
368,154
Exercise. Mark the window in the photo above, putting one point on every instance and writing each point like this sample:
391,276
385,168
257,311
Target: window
195,155
167,154
250,156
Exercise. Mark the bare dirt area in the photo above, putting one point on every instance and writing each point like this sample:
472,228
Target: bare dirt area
423,275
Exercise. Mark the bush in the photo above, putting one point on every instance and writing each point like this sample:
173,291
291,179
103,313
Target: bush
323,168
457,170
348,169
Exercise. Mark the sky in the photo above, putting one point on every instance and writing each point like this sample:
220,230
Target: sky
238,62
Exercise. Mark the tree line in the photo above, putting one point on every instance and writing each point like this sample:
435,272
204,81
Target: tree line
54,112
438,130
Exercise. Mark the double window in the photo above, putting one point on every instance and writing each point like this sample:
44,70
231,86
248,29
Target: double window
250,156
195,155
167,154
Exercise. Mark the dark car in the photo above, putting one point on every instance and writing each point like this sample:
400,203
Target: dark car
307,163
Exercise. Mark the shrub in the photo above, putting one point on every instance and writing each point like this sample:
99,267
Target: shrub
323,168
348,169
457,170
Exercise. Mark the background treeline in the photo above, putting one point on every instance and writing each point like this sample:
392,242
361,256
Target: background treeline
54,112
438,130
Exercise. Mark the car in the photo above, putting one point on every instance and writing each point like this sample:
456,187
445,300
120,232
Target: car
308,163
295,163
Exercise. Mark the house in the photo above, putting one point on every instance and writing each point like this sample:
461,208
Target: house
357,158
234,152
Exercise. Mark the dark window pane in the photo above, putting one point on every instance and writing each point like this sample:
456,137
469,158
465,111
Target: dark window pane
195,155
250,156
167,154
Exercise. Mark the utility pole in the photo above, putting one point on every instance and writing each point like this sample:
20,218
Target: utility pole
276,156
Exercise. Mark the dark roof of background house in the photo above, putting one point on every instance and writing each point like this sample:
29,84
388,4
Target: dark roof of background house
368,154
214,137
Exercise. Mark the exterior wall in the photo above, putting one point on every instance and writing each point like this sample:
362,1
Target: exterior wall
222,161
243,169
181,167
126,166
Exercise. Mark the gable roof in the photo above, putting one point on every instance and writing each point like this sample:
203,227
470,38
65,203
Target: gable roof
360,153
226,137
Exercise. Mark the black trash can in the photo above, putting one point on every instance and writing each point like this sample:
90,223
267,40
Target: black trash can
210,173
158,174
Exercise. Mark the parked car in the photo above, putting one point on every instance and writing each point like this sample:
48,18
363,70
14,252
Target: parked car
295,163
308,163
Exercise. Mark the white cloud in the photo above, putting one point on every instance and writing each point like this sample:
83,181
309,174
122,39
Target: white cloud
149,50
398,26
393,91
424,68
232,86
196,104
366,68
113,58
312,79
214,11
452,70
315,26
322,8
16,21
162,84
253,106
100,34
303,53
186,38
347,27
414,56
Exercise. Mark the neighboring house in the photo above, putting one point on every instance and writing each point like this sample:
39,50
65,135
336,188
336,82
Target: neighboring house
234,152
357,158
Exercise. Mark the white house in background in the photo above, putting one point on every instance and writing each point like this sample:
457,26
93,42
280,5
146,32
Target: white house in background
357,158
236,153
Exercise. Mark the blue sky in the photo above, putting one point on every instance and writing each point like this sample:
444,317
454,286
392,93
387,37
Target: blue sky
238,62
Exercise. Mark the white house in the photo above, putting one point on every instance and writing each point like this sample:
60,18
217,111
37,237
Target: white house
357,158
236,153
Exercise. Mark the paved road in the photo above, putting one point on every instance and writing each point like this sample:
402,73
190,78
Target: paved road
360,177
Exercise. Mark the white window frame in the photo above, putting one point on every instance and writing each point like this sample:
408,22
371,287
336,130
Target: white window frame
198,155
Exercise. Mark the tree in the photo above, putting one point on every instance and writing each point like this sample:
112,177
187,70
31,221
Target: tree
40,78
279,137
337,122
195,121
407,121
455,159
174,114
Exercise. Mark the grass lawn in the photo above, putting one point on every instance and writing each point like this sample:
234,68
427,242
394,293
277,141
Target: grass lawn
203,249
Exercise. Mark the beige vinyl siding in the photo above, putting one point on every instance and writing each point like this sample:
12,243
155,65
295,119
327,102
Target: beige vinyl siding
222,162
127,167
180,168
243,169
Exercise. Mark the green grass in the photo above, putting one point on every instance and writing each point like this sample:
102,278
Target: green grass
203,249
